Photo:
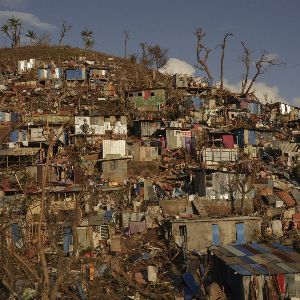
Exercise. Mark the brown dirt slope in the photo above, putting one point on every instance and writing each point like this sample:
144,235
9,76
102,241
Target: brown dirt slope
129,73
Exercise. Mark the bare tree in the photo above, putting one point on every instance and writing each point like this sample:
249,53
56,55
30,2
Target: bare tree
65,28
246,59
238,186
223,57
158,55
202,53
44,39
264,61
126,38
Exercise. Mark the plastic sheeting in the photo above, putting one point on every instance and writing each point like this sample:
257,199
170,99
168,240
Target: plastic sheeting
228,141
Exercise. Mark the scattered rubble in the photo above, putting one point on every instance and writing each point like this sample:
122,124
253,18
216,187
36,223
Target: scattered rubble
120,183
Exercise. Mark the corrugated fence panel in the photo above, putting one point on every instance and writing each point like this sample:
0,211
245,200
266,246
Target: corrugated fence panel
114,147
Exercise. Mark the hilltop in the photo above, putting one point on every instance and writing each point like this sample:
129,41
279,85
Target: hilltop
133,74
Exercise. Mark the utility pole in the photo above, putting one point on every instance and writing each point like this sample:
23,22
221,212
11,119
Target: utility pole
126,38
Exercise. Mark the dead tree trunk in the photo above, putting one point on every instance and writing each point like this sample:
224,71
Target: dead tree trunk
45,280
222,59
202,53
246,59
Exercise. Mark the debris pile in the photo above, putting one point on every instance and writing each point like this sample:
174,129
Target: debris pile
115,182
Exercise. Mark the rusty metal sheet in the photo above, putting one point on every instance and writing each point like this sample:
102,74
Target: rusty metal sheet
286,198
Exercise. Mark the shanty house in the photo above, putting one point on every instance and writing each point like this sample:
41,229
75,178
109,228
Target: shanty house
146,128
256,271
178,138
99,75
146,150
114,161
24,65
180,81
77,74
215,156
49,74
253,136
200,234
18,157
147,100
114,168
99,125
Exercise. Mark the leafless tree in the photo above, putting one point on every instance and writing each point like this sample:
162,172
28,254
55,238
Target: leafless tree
223,46
264,61
126,38
237,186
261,65
44,39
202,53
65,28
246,59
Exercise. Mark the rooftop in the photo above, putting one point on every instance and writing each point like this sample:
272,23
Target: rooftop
259,259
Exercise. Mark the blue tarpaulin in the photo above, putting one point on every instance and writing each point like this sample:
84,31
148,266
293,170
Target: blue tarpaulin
67,239
197,102
14,136
108,215
191,288
16,232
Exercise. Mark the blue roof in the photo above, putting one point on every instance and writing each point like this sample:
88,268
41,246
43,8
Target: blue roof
239,269
264,259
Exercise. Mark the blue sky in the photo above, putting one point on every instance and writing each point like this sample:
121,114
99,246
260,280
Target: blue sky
270,25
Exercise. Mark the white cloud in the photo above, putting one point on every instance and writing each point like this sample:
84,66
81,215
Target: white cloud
175,65
27,18
261,90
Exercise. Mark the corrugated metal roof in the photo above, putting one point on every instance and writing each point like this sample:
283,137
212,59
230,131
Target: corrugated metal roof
243,249
235,251
258,247
264,259
286,198
239,269
282,247
272,198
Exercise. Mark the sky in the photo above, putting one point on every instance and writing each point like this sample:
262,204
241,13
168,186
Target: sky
263,25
